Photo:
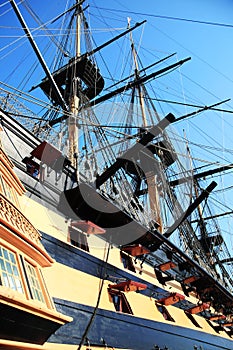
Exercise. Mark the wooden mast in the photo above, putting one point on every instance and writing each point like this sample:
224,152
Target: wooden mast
141,100
74,99
151,178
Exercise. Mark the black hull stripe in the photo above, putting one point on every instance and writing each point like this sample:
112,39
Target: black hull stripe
120,330
80,260
127,331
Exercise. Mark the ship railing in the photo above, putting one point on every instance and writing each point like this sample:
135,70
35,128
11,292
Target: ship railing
12,218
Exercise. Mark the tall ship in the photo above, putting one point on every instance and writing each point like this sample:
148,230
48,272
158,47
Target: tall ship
114,234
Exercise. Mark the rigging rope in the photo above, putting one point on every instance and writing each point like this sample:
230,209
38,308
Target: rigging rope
102,279
166,17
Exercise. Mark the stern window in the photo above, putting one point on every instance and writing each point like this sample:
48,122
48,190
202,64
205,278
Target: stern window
34,283
8,191
21,276
10,276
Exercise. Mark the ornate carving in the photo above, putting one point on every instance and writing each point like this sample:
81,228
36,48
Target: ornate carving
11,215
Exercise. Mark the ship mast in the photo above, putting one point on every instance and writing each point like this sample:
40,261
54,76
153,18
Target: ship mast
74,97
151,178
142,104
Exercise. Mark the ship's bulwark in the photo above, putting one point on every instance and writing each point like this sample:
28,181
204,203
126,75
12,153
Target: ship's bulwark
94,292
117,329
120,329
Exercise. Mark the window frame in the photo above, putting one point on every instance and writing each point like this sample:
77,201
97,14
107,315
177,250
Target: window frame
164,311
21,261
19,271
8,191
32,280
80,241
124,305
127,261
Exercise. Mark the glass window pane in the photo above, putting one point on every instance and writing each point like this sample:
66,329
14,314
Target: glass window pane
19,285
12,282
5,279
12,258
9,270
2,265
15,271
8,267
34,283
5,254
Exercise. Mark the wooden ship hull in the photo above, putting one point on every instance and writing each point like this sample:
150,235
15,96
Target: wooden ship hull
82,265
153,312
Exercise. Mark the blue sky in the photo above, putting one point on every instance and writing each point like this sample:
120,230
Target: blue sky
205,80
209,46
